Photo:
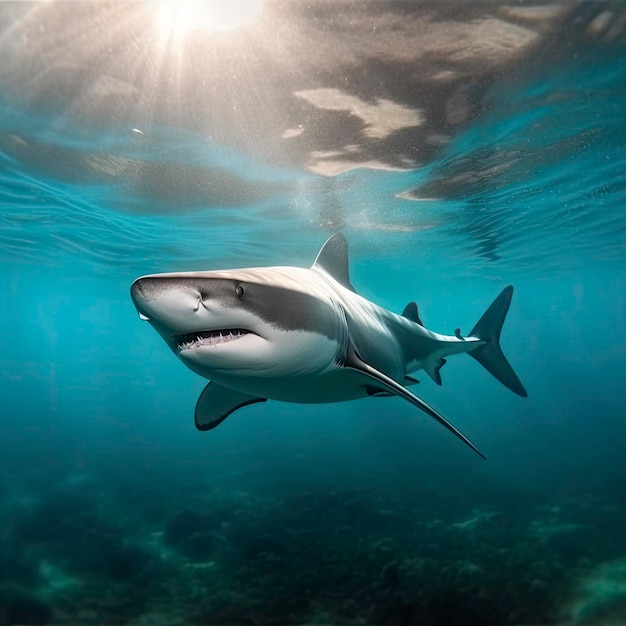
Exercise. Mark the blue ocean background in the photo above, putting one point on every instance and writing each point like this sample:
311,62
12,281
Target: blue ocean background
116,510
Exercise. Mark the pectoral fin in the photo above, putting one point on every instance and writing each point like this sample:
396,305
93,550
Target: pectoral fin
378,380
216,403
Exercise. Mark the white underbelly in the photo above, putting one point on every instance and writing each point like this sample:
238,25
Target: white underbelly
336,385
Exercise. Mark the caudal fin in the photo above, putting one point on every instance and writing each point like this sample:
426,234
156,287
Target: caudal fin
490,355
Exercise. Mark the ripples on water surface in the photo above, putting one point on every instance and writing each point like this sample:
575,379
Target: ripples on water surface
460,148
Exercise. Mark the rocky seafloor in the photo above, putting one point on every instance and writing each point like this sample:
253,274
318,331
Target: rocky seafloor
92,554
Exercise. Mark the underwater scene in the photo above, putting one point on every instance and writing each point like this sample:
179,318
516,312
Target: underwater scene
393,237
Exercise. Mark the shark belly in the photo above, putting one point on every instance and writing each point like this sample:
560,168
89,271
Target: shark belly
336,384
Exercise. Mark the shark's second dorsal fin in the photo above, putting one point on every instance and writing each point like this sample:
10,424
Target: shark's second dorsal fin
333,259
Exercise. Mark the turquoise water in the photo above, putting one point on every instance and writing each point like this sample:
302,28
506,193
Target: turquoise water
117,510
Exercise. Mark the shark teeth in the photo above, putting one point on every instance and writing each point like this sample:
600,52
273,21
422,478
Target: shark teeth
209,338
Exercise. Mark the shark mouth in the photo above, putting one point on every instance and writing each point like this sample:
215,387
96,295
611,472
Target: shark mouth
209,338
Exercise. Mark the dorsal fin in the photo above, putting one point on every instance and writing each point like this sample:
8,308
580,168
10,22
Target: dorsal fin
333,259
411,313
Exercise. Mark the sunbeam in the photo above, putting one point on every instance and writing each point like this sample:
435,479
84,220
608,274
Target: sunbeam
177,18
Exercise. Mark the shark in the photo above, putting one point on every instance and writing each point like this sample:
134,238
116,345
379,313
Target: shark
305,335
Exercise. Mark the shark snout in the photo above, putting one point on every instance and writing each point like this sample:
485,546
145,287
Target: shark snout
141,292
137,295
136,291
148,288
164,299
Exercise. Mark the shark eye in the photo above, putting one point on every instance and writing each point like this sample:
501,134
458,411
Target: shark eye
239,291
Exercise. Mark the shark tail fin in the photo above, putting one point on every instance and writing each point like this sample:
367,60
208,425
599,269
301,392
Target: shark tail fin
490,355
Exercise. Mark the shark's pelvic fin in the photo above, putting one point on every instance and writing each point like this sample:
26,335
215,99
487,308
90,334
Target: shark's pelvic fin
490,355
378,380
333,259
433,369
411,313
216,403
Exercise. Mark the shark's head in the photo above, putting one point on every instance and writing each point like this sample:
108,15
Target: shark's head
243,323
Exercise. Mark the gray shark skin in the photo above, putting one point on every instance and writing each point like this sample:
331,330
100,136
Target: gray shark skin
305,335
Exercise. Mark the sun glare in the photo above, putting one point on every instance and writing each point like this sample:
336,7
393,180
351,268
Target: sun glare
176,18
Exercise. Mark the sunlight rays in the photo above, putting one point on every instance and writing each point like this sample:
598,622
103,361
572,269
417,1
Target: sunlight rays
178,18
